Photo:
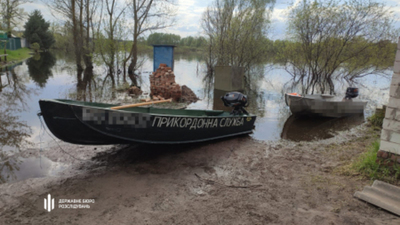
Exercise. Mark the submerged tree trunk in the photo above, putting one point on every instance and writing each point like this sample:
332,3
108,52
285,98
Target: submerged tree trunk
87,53
133,64
78,57
80,85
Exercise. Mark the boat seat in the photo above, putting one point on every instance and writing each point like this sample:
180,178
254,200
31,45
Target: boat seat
186,112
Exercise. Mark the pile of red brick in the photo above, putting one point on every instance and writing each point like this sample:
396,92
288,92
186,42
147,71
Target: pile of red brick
188,95
162,84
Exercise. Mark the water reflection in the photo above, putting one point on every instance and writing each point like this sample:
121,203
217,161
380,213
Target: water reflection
20,168
13,97
8,168
14,131
40,67
93,87
303,128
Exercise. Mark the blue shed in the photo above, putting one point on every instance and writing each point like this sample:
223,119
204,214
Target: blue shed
163,54
13,43
17,43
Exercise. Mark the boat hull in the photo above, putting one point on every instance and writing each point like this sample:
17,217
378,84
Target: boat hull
300,105
81,124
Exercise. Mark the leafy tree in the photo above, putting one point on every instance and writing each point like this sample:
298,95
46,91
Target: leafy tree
195,42
12,14
173,39
332,40
63,36
187,41
200,42
36,30
35,46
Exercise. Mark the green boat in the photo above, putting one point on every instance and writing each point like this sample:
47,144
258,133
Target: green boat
98,124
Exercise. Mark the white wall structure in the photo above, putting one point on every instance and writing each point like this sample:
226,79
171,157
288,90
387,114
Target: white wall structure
390,137
23,43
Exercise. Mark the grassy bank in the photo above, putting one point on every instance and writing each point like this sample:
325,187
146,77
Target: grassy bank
18,55
365,163
368,166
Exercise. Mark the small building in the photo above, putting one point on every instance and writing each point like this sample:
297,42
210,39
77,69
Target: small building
13,43
24,43
163,54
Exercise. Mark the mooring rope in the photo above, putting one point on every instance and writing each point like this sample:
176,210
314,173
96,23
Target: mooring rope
44,128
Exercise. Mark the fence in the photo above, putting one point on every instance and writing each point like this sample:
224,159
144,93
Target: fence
12,43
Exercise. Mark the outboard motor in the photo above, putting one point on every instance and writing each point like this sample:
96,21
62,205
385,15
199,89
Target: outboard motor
236,100
351,92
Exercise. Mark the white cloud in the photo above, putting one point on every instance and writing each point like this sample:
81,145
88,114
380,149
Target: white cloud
188,19
46,12
189,13
279,14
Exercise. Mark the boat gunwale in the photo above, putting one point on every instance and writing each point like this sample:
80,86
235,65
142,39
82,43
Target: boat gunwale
154,114
322,100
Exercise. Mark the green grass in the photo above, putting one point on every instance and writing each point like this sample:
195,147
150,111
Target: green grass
17,55
366,165
377,119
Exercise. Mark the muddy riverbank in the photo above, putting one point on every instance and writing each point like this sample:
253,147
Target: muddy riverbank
231,181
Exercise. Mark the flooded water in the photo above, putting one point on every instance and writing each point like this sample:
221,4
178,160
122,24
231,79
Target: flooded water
20,168
48,77
304,128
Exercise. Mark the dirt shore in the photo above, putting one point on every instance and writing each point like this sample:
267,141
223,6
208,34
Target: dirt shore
231,181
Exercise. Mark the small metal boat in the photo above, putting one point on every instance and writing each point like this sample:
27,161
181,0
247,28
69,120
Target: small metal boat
98,123
325,105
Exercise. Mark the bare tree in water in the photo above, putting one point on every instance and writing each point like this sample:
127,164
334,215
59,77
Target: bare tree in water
332,40
236,31
81,15
148,16
107,38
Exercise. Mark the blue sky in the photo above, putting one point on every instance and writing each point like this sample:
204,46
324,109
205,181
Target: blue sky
189,13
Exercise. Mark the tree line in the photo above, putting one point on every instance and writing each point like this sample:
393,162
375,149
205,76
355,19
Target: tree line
326,40
173,39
